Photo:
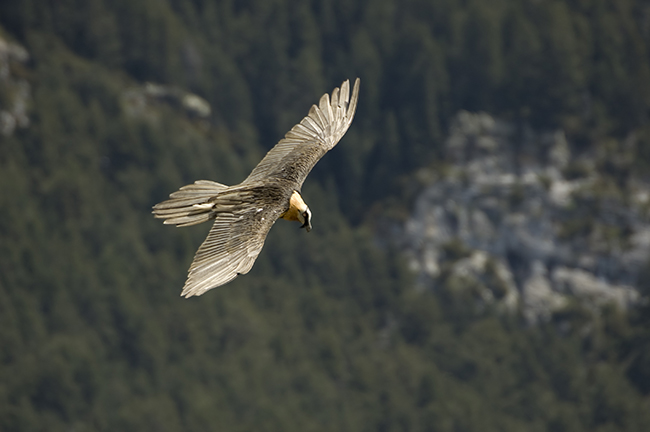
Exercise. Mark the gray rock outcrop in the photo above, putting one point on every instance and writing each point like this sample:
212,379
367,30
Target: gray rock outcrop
516,216
15,92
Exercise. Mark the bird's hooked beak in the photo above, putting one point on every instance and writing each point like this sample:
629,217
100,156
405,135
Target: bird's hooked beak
305,218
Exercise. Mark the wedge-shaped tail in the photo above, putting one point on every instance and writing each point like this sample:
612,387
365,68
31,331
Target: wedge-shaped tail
190,205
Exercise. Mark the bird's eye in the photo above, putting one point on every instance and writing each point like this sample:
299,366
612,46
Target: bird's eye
304,214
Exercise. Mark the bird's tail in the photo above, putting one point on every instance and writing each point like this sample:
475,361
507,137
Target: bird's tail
190,205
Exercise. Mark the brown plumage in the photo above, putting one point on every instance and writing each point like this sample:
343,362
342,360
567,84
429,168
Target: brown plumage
245,213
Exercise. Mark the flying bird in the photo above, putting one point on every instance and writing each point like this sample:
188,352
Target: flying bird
243,214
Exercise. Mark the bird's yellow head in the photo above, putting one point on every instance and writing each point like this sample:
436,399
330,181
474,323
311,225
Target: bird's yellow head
298,211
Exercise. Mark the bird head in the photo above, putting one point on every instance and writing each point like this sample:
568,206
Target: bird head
298,211
304,217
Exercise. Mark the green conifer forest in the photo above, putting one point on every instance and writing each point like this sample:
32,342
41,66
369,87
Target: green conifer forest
327,332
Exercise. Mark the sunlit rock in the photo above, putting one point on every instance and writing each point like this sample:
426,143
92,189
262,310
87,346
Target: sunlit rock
539,298
15,92
141,101
544,219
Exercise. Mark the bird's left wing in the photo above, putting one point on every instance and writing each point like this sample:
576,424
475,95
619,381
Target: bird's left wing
231,248
296,154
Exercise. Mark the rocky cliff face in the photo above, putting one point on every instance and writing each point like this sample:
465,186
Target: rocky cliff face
520,221
15,91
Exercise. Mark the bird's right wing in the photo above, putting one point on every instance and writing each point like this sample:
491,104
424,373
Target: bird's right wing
297,153
231,248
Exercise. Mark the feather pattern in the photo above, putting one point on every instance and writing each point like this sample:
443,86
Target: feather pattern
230,249
243,214
296,154
187,206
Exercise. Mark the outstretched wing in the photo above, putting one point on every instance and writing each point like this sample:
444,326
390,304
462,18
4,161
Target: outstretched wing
231,248
297,153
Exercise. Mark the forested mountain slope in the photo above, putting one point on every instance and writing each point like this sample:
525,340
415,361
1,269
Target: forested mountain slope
107,106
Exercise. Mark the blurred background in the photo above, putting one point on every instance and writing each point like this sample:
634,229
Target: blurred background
479,258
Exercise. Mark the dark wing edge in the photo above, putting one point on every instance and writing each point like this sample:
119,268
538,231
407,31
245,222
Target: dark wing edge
324,126
230,249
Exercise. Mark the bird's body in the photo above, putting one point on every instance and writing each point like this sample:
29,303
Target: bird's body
245,213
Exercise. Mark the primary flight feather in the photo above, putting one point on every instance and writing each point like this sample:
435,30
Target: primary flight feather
243,214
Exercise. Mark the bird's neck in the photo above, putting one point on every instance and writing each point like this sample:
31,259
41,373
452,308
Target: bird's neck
296,206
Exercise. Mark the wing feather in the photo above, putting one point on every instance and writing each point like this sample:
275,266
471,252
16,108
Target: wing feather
230,249
309,140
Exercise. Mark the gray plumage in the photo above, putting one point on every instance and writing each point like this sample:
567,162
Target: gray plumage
245,213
